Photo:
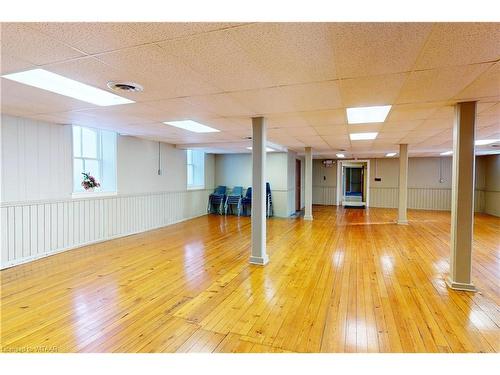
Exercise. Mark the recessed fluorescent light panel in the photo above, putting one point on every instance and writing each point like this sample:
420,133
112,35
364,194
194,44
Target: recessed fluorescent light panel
340,155
390,154
268,149
362,136
52,82
484,142
192,126
366,115
446,153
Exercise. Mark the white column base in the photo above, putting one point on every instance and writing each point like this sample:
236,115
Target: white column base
460,286
308,217
402,222
261,261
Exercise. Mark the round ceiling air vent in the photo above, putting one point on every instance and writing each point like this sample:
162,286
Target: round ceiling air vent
125,86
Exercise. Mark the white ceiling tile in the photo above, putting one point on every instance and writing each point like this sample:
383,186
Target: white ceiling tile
365,128
331,130
219,59
487,120
438,84
400,125
294,131
391,135
303,97
488,108
363,49
93,37
290,52
11,64
20,40
460,44
436,124
316,141
489,132
486,85
324,118
372,90
408,112
180,109
285,120
161,31
445,112
222,104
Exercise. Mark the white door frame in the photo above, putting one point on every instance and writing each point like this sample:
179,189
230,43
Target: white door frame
340,182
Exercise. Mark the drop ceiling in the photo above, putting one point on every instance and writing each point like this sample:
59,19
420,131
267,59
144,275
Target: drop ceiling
300,76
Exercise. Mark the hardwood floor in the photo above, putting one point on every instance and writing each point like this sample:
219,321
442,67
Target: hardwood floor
350,281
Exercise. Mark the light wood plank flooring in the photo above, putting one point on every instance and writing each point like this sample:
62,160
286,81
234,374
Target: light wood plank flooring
350,281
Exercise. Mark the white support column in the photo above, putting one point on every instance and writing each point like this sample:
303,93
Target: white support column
403,184
259,255
308,185
462,197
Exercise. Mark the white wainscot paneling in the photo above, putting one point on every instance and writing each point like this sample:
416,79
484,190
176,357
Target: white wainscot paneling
36,229
324,195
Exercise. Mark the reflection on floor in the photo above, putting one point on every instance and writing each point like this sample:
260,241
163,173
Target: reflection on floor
349,281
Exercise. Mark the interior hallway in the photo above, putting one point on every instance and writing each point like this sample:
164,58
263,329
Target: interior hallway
349,281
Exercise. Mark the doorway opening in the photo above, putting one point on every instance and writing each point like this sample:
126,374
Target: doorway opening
353,181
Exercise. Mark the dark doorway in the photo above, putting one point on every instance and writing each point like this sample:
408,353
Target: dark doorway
354,181
297,185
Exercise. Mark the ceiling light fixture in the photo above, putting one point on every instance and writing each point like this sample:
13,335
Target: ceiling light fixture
390,154
446,153
366,115
58,84
191,126
484,142
362,136
268,149
340,155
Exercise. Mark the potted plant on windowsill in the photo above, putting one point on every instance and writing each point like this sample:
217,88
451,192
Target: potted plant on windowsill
89,182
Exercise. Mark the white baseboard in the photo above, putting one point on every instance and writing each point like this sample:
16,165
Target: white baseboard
261,261
460,286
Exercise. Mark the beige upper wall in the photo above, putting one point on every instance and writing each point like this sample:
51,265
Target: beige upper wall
492,185
492,172
37,163
422,173
236,170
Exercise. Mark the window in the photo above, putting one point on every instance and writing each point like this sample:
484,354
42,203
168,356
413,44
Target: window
94,152
195,169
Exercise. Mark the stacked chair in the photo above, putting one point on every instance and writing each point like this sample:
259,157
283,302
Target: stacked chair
269,201
234,199
246,202
235,203
216,200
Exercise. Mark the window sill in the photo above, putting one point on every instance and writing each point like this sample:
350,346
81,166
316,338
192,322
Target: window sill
92,194
196,188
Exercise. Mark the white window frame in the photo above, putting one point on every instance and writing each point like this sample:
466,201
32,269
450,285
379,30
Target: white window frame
98,158
193,165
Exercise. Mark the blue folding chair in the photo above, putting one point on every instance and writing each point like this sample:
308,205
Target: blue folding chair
247,201
216,200
234,199
269,201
